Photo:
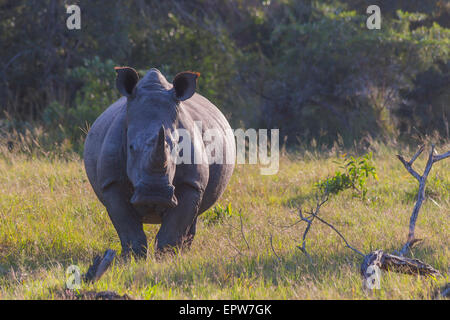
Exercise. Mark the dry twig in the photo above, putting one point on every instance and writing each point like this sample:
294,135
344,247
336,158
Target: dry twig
242,229
314,214
273,249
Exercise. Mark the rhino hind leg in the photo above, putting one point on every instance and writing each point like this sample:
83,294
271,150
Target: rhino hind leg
126,222
179,224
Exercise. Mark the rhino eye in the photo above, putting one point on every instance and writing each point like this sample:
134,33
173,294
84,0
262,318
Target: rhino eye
131,147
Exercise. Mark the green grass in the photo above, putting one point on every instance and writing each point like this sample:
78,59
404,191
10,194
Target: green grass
50,219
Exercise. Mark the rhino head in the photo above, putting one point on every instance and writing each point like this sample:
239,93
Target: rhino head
152,113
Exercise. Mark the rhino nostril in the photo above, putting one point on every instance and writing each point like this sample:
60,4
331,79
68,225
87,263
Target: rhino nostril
134,200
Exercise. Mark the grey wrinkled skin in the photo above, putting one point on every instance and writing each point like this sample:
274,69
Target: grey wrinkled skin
128,163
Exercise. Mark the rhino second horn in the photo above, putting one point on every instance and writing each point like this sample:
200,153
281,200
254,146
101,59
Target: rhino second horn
159,156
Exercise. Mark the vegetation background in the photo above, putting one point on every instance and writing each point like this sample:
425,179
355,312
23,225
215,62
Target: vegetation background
310,68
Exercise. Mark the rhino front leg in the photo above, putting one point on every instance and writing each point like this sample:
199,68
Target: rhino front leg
178,224
126,222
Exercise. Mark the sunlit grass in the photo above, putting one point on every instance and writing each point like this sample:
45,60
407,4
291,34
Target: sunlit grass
50,219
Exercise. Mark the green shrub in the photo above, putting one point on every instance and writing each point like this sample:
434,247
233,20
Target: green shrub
97,92
357,171
217,214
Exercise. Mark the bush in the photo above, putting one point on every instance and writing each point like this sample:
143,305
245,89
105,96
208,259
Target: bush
357,171
217,214
326,74
97,91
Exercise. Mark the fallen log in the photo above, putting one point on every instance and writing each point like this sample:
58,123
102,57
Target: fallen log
389,262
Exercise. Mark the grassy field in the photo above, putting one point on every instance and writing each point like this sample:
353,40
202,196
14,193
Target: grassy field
50,219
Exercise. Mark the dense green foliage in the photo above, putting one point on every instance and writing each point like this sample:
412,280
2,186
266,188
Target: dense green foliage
310,68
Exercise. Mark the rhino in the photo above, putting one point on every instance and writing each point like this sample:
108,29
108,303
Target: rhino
128,157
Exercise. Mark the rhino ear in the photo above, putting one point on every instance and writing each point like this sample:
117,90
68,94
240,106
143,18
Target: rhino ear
185,84
126,80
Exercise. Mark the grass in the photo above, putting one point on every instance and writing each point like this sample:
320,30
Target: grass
51,219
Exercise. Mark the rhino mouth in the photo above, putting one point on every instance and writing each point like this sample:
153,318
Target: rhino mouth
156,199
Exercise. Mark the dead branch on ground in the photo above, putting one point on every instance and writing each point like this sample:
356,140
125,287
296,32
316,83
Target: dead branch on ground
388,262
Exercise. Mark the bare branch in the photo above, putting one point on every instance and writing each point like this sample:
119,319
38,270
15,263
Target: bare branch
440,157
309,222
339,234
284,226
408,164
321,199
429,164
432,158
408,167
273,250
242,229
417,154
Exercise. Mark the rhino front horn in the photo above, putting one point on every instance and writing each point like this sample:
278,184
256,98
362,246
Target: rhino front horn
159,156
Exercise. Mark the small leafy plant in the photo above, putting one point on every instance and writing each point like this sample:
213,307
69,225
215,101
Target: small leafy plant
356,173
218,214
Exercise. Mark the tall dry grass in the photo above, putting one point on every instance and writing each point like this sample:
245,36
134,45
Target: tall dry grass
50,219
